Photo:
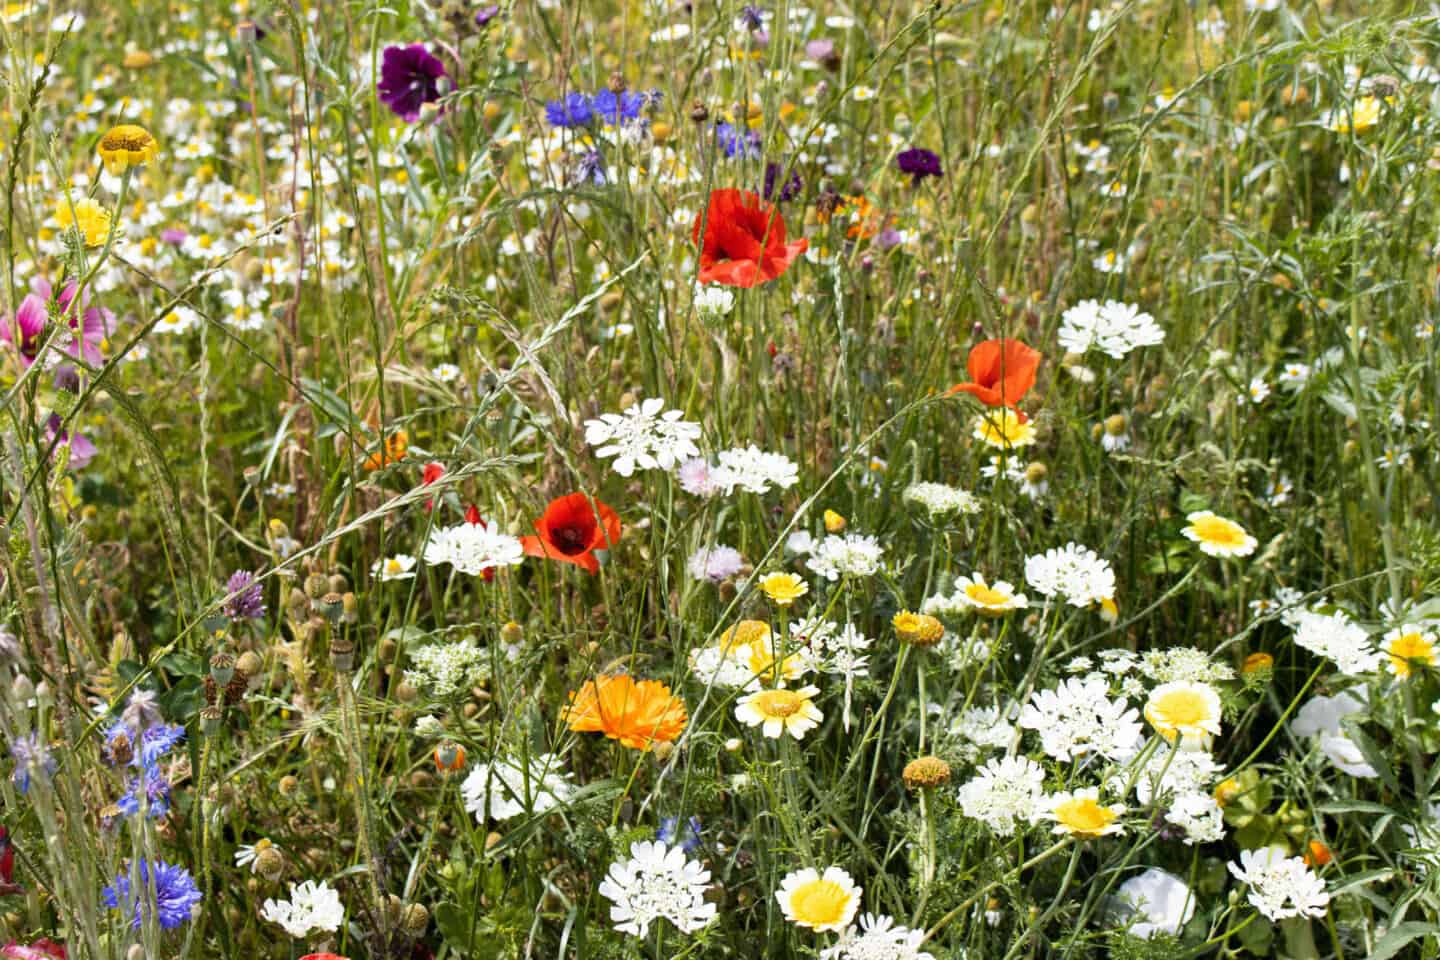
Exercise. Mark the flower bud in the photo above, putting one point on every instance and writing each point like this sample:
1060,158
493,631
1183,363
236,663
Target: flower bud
925,773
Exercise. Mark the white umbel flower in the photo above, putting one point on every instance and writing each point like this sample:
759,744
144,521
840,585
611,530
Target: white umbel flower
879,938
473,548
312,906
643,437
851,555
1073,572
1078,717
1337,638
1005,793
1281,887
503,789
657,883
754,471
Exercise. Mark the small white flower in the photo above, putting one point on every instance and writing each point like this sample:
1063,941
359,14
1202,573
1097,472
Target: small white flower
504,789
851,555
1281,887
1159,902
1073,572
399,567
311,906
1004,794
657,883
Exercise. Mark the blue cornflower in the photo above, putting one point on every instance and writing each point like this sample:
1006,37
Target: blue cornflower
737,142
155,742
175,894
32,758
157,794
615,108
689,840
573,111
592,168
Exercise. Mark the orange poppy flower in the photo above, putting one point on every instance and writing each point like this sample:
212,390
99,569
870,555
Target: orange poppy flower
1001,372
396,446
744,241
639,714
571,532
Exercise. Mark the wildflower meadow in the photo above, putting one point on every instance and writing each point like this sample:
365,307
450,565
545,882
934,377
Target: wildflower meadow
665,480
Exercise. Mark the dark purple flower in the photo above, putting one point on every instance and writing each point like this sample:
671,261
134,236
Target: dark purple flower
614,108
410,78
573,111
244,597
919,163
485,14
752,16
888,238
789,190
82,451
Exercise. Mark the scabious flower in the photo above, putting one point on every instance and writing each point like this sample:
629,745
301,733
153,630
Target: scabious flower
714,563
744,240
244,597
919,163
1073,572
754,471
1154,902
312,906
879,938
822,902
1281,887
657,882
780,711
643,437
504,788
172,888
410,77
639,714
1004,794
572,529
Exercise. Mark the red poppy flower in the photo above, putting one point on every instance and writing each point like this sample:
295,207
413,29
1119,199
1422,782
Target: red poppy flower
323,956
1001,372
42,949
571,532
744,240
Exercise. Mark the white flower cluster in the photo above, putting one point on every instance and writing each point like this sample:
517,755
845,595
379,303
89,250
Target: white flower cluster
941,500
1281,887
505,788
643,437
713,300
1335,637
879,939
312,906
473,548
1004,793
657,882
1184,664
1112,327
1078,717
851,555
445,669
1073,572
754,471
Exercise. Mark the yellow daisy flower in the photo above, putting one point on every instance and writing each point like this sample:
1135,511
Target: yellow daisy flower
1081,814
89,219
127,146
783,589
1408,646
822,902
1219,537
1004,429
780,711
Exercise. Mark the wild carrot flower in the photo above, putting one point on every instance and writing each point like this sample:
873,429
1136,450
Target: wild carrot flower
127,146
657,882
1281,887
639,714
878,938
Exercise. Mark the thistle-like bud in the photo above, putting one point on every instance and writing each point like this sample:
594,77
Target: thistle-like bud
924,773
617,82
415,919
699,112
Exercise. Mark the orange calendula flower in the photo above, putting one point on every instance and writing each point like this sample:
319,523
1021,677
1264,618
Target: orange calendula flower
396,446
638,713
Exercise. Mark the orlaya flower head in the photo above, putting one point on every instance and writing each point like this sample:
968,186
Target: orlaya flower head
1001,372
572,529
919,163
410,78
744,240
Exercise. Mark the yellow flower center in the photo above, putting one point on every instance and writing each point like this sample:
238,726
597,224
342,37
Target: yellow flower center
127,136
1181,708
986,596
819,903
1084,816
1408,647
779,704
1219,531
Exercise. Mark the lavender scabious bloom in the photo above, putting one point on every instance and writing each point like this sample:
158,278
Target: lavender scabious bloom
244,598
789,190
695,478
32,759
573,111
919,163
615,109
737,142
174,889
410,78
689,838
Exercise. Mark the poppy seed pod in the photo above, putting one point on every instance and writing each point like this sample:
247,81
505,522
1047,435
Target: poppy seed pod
222,668
342,653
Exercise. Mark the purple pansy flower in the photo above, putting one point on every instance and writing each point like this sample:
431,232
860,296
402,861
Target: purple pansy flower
919,163
410,78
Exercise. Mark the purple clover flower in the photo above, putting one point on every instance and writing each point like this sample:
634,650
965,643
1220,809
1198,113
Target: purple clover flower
410,78
244,597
